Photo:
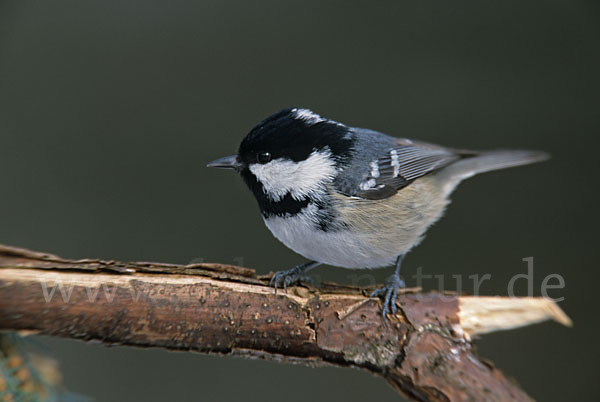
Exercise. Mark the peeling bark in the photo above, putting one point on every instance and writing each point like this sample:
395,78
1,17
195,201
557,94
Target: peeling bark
424,351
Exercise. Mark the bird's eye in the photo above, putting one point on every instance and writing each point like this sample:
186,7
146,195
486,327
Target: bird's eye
263,157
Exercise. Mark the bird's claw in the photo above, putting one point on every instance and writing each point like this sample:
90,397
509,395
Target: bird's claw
289,277
389,293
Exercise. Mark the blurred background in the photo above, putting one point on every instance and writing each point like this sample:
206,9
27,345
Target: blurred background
109,111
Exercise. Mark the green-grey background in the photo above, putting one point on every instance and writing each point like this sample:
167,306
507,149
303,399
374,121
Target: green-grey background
109,111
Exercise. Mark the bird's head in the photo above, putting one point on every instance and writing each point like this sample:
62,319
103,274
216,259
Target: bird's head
290,156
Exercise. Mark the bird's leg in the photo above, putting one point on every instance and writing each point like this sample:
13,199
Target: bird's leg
390,290
294,275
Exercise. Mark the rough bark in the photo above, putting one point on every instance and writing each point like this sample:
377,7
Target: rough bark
424,351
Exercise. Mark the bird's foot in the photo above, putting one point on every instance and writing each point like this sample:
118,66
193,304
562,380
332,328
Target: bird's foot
389,293
290,277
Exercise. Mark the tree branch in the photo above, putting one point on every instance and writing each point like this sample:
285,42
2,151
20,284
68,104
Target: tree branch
424,351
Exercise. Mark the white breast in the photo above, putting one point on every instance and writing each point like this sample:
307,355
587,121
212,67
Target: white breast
370,233
342,248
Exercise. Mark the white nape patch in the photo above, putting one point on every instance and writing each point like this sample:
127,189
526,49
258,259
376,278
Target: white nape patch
395,162
300,179
374,169
308,116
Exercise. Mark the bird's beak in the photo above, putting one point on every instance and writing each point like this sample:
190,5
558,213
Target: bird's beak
228,162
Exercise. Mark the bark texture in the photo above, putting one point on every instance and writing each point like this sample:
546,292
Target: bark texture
424,351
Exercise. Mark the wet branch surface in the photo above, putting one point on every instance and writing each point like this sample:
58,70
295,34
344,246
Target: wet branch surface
424,352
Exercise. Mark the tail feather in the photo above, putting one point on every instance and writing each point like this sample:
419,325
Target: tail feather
486,162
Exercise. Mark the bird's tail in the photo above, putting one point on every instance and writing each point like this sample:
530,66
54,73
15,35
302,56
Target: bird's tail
475,163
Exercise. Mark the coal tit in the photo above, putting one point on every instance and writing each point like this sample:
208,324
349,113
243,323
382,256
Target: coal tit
352,197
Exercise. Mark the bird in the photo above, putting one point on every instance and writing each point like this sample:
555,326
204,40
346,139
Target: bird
352,197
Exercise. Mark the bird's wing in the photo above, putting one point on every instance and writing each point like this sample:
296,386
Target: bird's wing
399,165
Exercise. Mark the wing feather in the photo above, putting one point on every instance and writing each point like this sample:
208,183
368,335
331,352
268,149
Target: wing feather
402,164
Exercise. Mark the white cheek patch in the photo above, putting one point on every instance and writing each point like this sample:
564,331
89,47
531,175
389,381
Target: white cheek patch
300,179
